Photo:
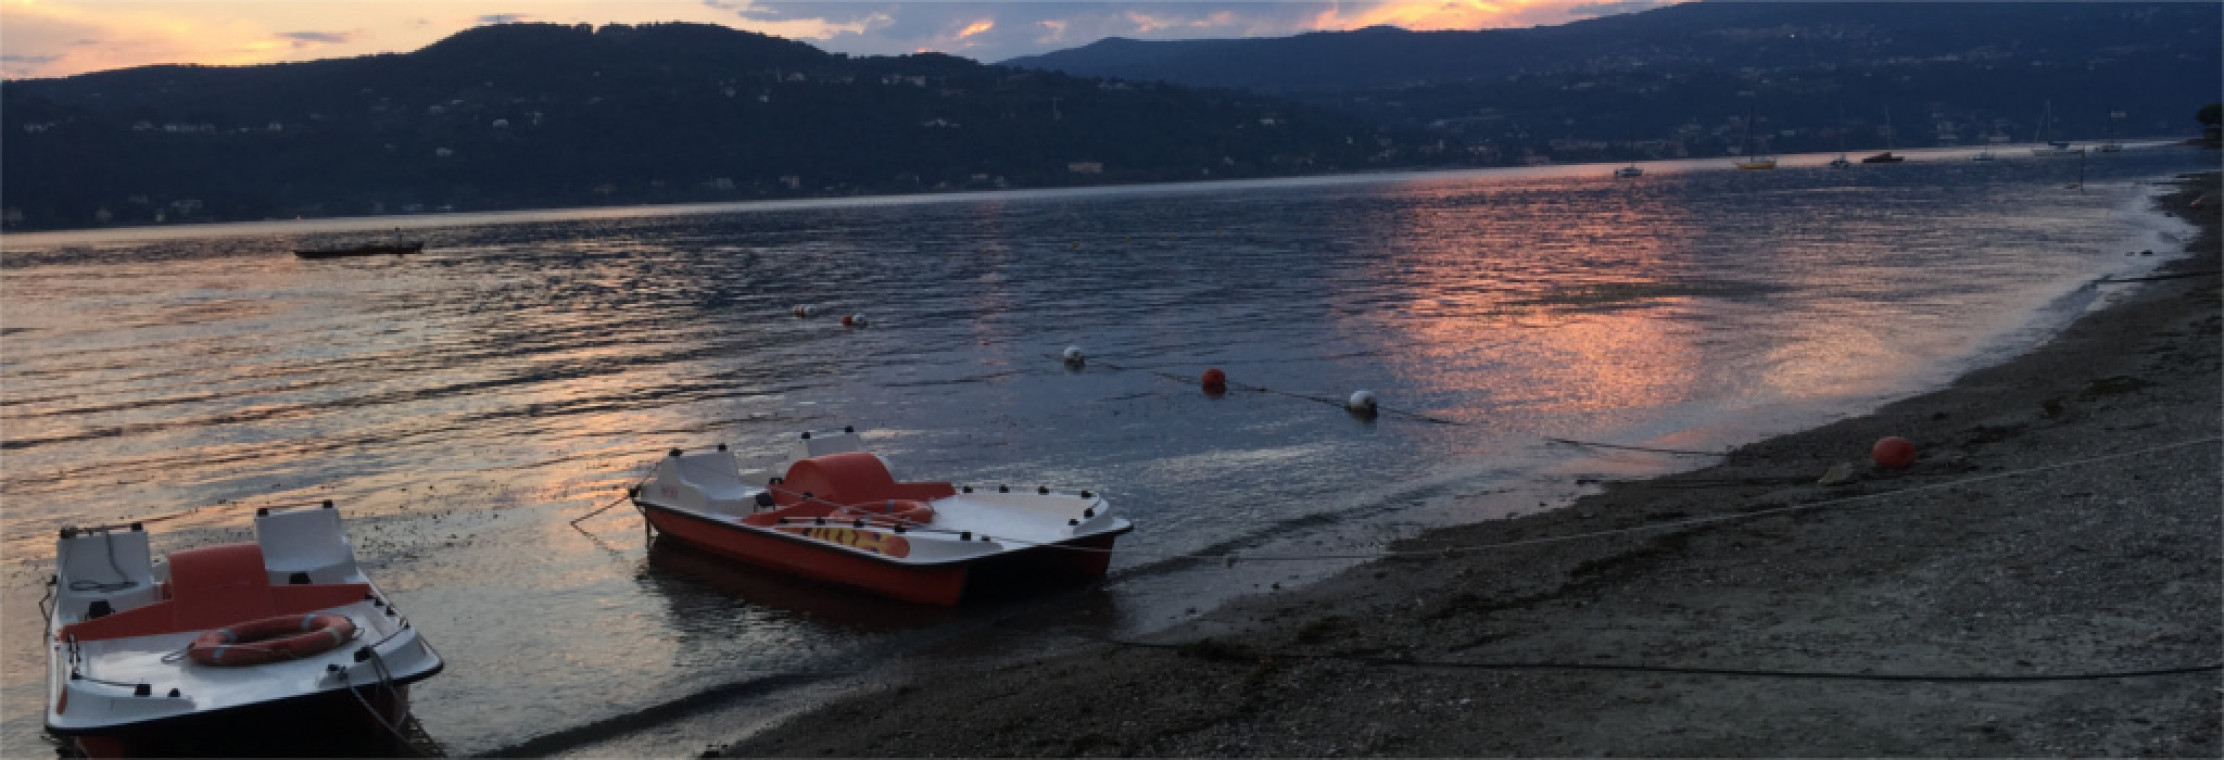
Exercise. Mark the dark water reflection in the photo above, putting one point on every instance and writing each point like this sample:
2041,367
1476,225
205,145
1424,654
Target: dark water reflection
464,403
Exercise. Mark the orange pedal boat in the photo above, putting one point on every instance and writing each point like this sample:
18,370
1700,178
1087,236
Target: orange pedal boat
834,513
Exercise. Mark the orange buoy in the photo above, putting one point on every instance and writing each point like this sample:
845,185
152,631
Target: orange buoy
1893,453
1215,380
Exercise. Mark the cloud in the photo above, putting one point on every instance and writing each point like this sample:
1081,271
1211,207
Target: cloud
1594,10
504,18
312,39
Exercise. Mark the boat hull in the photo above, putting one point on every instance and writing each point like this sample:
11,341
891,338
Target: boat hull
329,724
942,584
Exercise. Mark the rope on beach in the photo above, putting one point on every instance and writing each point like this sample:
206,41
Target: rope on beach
599,510
2177,276
1403,414
1668,525
649,470
1213,649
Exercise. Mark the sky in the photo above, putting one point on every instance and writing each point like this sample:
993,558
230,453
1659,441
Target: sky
52,38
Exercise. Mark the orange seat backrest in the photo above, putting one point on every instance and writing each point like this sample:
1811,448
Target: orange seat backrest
215,585
851,478
212,587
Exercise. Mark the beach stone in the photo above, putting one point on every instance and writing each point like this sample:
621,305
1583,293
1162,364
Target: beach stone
1839,474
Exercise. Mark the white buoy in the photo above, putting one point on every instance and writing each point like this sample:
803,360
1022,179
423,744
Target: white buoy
1073,355
1362,402
854,320
804,310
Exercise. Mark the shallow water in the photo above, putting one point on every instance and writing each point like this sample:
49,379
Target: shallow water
462,405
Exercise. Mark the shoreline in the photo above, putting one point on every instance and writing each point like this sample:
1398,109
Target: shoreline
46,240
1770,634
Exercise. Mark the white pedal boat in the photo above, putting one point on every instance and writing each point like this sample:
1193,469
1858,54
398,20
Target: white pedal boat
225,649
834,513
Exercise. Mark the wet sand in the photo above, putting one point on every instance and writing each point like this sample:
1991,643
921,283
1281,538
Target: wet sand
2046,579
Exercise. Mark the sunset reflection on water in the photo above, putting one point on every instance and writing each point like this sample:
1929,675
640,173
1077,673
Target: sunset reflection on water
1529,303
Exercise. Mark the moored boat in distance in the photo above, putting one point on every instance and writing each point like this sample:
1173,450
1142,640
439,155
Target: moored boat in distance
1887,157
1752,162
2051,148
276,646
375,249
834,513
1631,170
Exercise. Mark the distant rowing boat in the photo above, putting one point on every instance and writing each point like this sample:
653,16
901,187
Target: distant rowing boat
380,249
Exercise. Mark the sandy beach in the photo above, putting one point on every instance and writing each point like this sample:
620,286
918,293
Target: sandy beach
2044,580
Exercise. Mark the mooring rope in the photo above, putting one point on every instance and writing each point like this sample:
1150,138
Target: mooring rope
1392,411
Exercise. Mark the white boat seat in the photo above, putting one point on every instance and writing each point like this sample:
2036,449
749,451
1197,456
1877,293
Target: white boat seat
716,479
305,546
111,567
823,444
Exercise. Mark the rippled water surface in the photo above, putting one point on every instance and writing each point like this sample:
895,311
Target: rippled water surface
462,405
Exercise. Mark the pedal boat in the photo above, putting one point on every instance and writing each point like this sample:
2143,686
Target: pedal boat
834,513
280,637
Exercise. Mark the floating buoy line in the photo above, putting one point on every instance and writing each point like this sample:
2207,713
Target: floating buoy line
1361,403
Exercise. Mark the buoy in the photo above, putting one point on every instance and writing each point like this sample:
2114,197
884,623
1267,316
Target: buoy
854,320
1361,402
804,310
1073,355
1215,381
1893,453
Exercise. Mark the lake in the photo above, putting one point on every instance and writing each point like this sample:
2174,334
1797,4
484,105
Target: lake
463,405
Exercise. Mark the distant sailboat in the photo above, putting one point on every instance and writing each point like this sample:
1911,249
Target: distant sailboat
2052,147
1752,162
1886,157
1629,171
1840,162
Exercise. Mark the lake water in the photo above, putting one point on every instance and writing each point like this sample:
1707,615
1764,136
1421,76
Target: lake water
462,405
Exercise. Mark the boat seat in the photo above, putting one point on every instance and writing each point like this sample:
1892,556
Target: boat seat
851,478
716,479
826,443
304,546
215,586
117,561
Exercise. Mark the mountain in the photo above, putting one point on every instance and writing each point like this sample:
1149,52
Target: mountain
537,115
1675,78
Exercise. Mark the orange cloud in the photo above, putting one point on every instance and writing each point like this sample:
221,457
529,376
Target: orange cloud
1435,15
977,27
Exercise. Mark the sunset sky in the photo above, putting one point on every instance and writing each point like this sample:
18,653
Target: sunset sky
48,38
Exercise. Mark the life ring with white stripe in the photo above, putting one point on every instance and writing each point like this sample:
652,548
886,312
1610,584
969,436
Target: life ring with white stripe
272,639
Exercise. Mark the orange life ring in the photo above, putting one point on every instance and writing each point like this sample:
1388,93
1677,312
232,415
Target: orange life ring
897,511
273,639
